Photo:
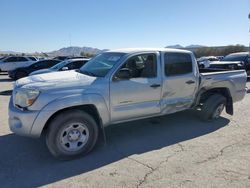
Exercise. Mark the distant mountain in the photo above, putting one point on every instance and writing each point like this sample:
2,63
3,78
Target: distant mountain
178,46
175,46
195,46
67,51
9,52
74,51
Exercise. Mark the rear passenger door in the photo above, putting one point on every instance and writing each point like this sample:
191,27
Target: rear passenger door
10,63
179,81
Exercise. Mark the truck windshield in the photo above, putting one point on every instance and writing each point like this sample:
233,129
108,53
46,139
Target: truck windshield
100,65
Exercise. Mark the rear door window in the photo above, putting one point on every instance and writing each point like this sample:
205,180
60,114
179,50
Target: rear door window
32,58
52,63
19,59
11,59
177,64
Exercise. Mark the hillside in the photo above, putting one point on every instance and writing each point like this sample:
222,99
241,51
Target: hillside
74,51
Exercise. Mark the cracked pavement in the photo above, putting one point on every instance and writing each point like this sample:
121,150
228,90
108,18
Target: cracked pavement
177,150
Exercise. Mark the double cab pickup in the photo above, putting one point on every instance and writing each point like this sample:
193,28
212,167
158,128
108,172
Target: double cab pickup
73,107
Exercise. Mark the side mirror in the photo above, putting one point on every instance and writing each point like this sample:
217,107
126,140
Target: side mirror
65,68
123,74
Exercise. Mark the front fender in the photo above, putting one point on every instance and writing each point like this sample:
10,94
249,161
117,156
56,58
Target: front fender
67,102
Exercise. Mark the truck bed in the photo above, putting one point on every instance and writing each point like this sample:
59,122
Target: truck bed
234,80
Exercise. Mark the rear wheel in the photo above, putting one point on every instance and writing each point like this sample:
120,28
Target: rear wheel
213,107
71,134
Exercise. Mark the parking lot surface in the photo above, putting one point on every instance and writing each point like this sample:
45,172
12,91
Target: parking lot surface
177,150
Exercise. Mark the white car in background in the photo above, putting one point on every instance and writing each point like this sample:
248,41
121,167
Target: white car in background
204,62
14,62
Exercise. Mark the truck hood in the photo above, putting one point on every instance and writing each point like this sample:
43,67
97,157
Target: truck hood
55,80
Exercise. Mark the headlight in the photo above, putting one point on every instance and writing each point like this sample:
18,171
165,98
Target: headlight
25,97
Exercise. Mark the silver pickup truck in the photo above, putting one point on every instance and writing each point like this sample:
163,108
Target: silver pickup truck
73,107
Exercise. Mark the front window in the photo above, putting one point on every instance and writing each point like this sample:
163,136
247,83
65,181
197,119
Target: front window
141,66
59,65
101,64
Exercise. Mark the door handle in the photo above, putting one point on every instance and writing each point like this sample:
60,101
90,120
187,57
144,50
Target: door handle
155,85
190,82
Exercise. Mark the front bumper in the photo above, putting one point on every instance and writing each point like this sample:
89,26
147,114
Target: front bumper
20,122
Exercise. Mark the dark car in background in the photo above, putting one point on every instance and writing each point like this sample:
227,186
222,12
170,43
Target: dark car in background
240,56
70,64
25,71
228,65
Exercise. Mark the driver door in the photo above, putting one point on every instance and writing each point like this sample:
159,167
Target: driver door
139,94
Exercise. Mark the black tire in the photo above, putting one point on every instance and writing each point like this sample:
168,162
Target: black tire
210,106
20,74
60,123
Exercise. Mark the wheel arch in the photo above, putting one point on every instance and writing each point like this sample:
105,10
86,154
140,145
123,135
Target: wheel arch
204,94
92,104
88,108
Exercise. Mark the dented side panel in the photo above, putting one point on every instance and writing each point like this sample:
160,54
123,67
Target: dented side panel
178,92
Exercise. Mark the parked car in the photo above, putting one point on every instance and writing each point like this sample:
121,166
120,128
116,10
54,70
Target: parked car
14,62
240,56
61,58
25,71
229,65
73,107
70,64
204,62
219,57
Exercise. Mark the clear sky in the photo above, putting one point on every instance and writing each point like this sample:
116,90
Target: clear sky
46,25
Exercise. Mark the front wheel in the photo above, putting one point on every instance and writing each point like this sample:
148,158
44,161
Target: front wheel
71,134
213,107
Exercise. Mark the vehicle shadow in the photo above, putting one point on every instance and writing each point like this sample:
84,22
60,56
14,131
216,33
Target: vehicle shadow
6,80
27,163
6,92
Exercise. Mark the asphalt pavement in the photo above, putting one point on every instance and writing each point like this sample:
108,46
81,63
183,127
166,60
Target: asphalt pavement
176,150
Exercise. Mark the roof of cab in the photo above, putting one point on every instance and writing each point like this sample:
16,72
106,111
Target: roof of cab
138,50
